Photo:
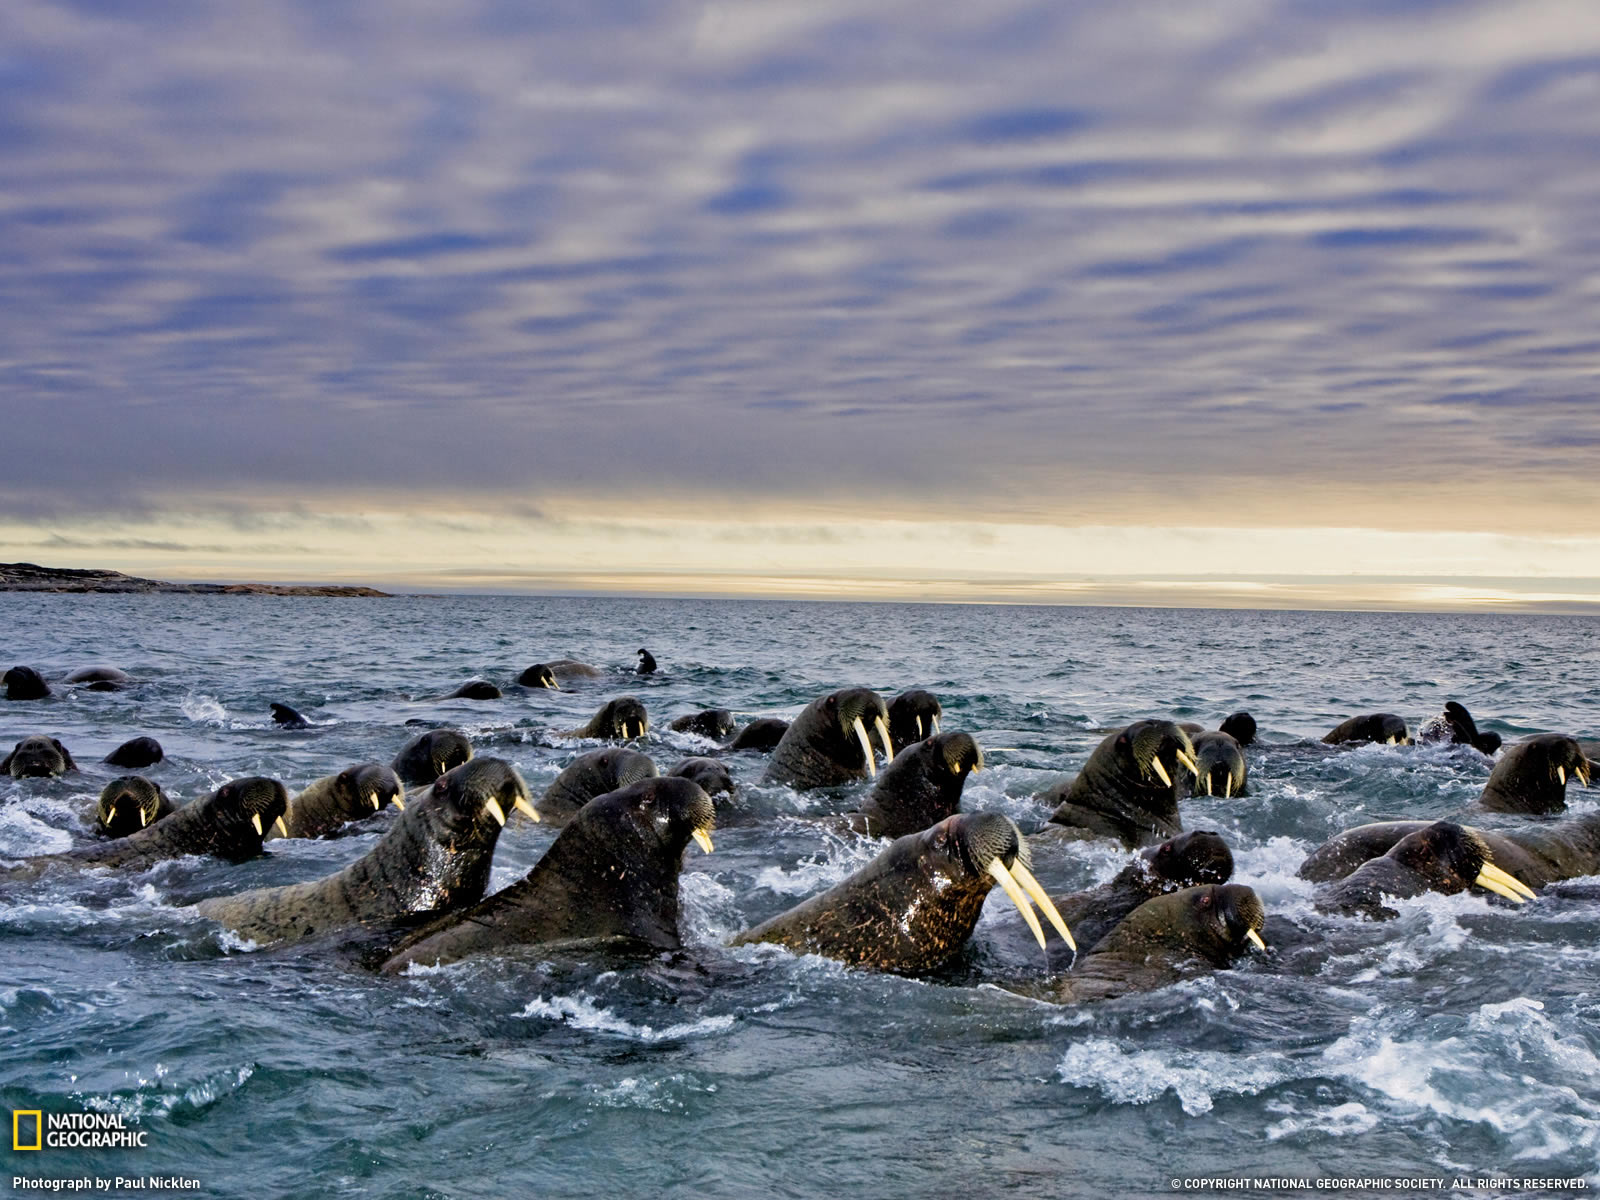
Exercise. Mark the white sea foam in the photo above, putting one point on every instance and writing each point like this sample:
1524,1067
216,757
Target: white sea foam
203,709
1196,1077
142,1104
581,1012
840,860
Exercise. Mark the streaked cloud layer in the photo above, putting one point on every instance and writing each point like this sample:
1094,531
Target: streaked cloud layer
1150,264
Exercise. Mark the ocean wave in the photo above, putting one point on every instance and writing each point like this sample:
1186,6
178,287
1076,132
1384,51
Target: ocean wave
581,1012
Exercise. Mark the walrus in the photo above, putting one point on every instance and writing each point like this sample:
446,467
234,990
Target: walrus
570,669
827,744
429,755
1220,768
647,662
475,689
287,718
227,824
1535,855
37,757
763,734
1455,725
1126,790
128,804
611,873
1188,860
621,719
1440,857
136,753
1531,776
1240,726
539,675
712,776
1384,728
433,860
100,679
714,723
331,803
912,909
590,775
1166,940
921,787
913,715
24,683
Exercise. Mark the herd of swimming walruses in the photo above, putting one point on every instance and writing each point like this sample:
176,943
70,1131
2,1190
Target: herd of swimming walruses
613,870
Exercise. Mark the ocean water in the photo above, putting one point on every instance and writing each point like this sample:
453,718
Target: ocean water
1459,1040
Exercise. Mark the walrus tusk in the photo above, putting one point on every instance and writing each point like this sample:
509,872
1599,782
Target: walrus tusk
553,684
400,802
883,736
1227,786
935,719
372,799
1161,771
495,811
1582,772
866,746
1004,879
144,817
1047,906
1504,883
527,810
1188,762
280,828
1209,792
1561,774
255,819
919,726
702,839
1255,940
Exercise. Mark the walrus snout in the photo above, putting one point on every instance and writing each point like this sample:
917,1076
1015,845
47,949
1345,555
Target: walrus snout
128,804
483,787
1159,748
255,800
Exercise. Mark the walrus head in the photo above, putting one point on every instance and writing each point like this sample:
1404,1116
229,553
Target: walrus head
623,718
1451,858
1531,777
238,815
982,849
921,786
1189,860
913,715
1157,751
539,676
429,755
24,683
714,723
135,753
710,773
647,662
1240,726
368,787
475,689
37,757
468,805
851,712
1385,729
127,805
1217,923
1219,765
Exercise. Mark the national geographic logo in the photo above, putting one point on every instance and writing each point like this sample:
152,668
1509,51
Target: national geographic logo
34,1129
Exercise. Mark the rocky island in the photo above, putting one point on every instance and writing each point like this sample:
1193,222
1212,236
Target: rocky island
30,577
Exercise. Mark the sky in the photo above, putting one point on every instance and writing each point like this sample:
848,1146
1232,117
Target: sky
1201,301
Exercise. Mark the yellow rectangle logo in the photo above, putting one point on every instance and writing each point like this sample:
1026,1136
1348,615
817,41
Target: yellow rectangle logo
16,1128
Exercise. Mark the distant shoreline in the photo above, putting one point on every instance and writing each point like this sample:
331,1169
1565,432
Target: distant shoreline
30,577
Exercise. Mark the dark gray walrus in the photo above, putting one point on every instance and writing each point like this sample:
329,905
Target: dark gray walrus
1455,725
913,715
100,679
540,676
1188,860
1240,726
827,744
227,824
1440,857
475,689
590,775
1535,854
1383,728
1220,768
24,683
287,718
129,804
1531,776
569,669
611,873
621,719
1128,789
921,787
429,755
1166,940
37,757
136,753
647,662
331,803
714,723
433,860
763,734
709,773
912,909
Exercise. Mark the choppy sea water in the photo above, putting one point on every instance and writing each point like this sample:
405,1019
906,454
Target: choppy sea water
1459,1040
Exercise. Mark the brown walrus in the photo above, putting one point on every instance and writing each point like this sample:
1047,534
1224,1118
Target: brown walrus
1382,728
331,803
37,757
128,804
429,755
828,744
921,787
913,715
433,860
1440,857
1128,789
1531,776
590,775
622,719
